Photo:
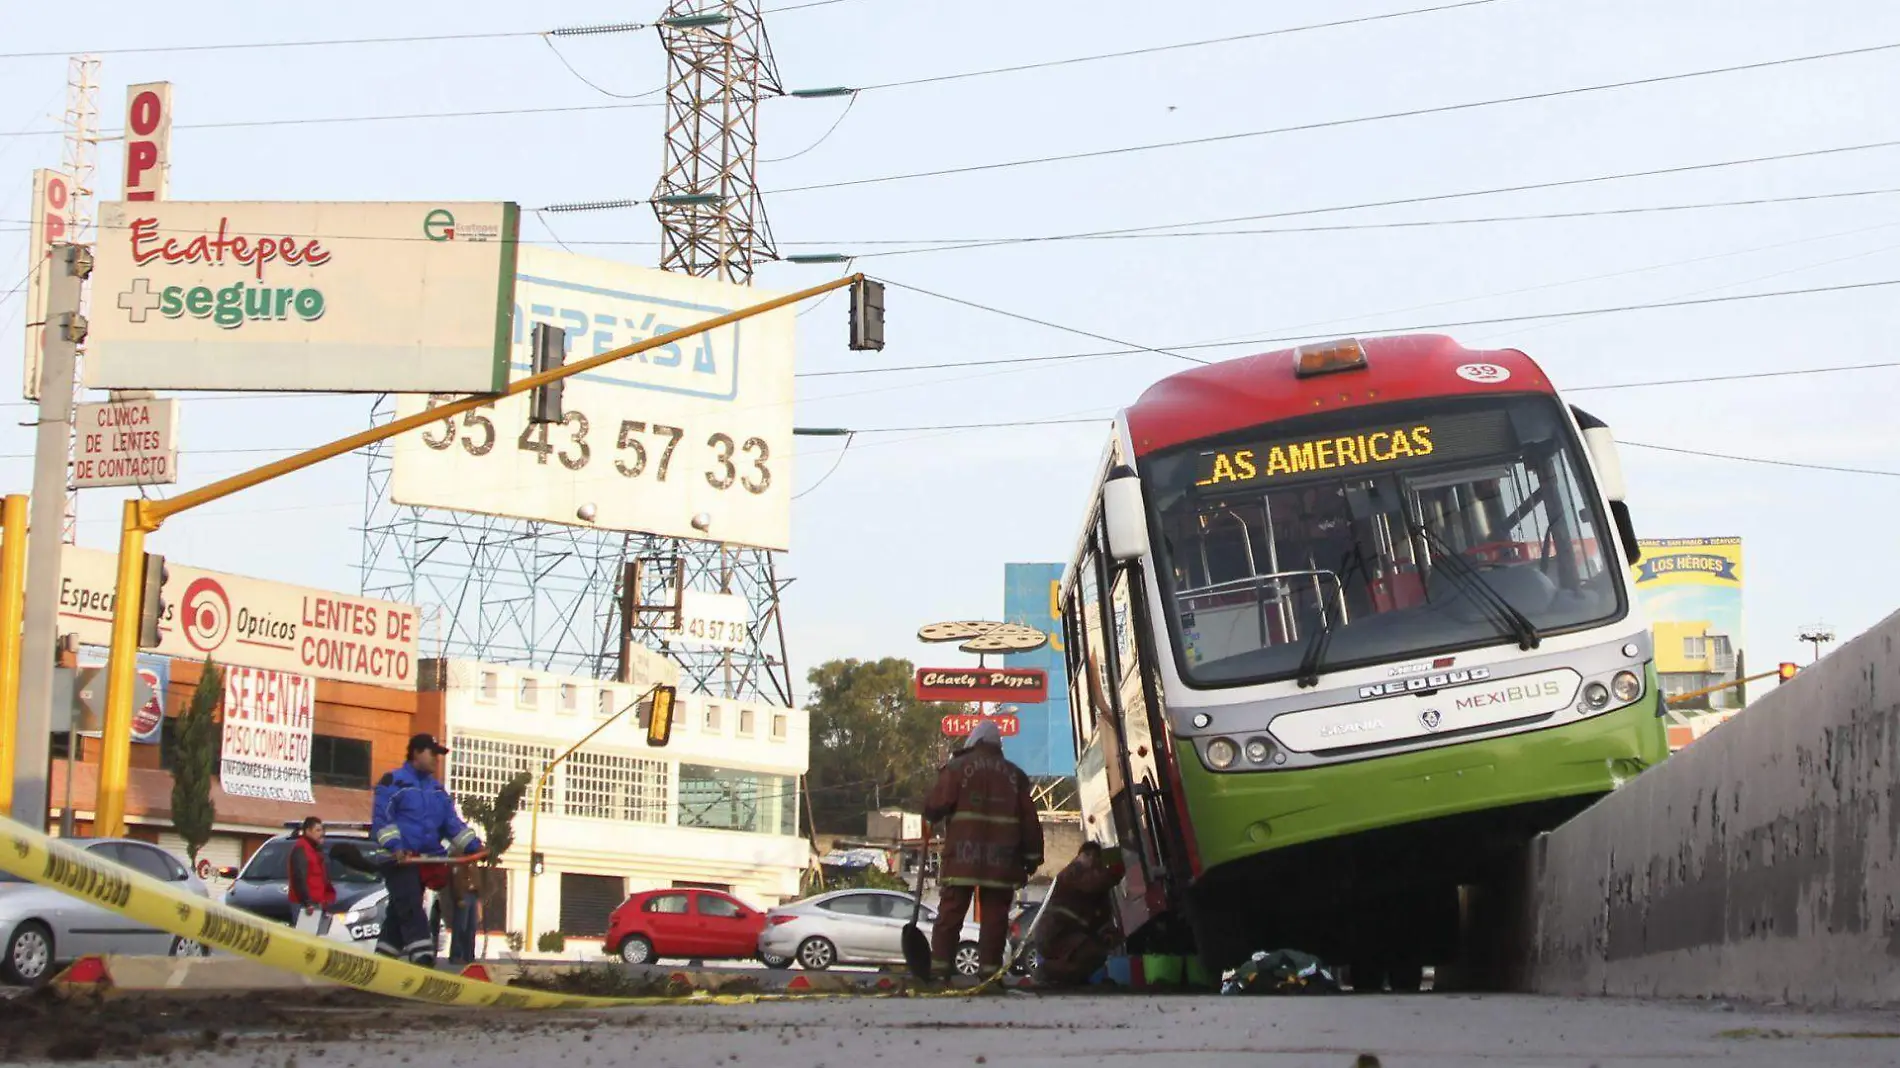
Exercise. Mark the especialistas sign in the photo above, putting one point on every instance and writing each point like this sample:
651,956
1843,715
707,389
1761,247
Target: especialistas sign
251,622
355,297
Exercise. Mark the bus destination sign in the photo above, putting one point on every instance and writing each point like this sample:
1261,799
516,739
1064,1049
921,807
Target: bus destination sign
1021,685
1398,443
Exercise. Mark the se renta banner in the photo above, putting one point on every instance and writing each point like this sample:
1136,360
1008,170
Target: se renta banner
250,622
1691,590
1044,743
267,726
352,297
691,440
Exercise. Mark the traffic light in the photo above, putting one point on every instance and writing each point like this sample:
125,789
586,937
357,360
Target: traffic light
537,863
550,352
660,716
151,599
1788,670
867,316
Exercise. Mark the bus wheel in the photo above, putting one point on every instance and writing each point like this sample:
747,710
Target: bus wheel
1366,976
1407,978
1219,937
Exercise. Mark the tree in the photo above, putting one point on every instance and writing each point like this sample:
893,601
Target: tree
193,811
496,818
874,745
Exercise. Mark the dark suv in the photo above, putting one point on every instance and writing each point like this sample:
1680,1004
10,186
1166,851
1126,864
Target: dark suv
262,885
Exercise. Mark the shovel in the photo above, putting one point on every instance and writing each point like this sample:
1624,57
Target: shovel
916,945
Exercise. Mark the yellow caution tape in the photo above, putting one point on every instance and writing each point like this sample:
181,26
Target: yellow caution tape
114,887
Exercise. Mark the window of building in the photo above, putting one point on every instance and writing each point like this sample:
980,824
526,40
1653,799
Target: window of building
746,717
1694,646
528,693
728,800
607,786
489,687
570,697
711,720
604,704
779,726
340,761
480,767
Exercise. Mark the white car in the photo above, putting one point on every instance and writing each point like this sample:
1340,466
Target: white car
852,927
41,928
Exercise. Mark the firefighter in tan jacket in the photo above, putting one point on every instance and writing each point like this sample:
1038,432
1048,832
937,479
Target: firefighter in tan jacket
991,845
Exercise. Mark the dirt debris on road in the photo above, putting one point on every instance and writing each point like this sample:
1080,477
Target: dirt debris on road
49,1025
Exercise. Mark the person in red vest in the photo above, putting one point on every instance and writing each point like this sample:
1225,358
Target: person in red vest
311,895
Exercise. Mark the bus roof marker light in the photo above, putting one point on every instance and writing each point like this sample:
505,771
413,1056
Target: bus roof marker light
1332,356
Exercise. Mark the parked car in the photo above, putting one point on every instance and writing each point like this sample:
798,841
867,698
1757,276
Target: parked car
851,927
262,885
688,924
45,928
1020,925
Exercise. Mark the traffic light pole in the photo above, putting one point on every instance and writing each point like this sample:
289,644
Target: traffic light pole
142,517
1718,687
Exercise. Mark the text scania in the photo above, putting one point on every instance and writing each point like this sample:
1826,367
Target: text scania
1424,683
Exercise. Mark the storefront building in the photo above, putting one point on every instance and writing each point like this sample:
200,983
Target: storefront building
718,807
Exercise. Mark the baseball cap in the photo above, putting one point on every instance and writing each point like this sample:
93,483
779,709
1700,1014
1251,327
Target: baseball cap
426,741
986,732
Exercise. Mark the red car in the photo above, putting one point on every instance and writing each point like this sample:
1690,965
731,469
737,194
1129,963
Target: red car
688,924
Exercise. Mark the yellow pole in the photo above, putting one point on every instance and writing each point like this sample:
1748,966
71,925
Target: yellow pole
115,741
143,517
12,611
534,814
1706,690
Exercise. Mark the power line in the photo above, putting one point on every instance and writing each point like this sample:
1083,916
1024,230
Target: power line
1038,322
1762,460
1746,376
240,46
1328,124
1174,350
1153,49
589,82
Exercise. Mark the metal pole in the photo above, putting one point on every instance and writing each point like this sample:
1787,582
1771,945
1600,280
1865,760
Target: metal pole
534,847
40,637
12,599
115,741
142,517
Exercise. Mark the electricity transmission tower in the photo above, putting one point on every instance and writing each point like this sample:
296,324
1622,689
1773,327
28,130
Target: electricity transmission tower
564,598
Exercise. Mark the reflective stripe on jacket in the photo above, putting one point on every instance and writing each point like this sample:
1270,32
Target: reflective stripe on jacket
413,812
994,836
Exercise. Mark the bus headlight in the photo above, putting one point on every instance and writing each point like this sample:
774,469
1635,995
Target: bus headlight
1221,754
1626,686
1596,697
1259,750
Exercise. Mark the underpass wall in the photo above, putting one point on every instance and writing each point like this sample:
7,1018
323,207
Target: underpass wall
1761,862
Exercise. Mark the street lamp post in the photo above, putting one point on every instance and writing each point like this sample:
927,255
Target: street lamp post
659,726
1817,635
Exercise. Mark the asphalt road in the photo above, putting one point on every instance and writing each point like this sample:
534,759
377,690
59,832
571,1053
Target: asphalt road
1112,1031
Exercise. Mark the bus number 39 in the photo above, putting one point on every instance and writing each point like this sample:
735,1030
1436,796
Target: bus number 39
639,447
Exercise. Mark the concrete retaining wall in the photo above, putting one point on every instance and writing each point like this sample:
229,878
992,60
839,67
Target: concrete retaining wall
1761,862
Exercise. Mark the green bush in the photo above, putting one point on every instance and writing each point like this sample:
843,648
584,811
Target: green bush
551,942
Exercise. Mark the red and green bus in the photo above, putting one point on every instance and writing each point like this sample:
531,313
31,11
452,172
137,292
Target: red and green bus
1347,625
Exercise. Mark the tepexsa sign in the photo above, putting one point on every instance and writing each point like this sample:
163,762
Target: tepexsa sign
1424,683
1020,685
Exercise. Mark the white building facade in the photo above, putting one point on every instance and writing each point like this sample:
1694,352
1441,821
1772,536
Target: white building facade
717,807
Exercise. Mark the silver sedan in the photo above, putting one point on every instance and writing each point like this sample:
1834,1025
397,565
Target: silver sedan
41,928
852,927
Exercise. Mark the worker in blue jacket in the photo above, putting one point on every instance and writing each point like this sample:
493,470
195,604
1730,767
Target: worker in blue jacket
413,817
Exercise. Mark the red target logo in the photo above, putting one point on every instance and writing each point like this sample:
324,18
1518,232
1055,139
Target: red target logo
206,615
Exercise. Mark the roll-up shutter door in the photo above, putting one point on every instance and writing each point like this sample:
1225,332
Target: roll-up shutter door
587,901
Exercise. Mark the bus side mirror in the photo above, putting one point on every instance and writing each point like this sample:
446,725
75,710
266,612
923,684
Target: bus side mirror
1608,464
1124,515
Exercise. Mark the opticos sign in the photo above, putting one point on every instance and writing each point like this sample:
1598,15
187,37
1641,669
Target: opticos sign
374,297
251,622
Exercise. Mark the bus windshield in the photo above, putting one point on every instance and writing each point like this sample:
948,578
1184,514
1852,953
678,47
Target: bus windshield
1401,530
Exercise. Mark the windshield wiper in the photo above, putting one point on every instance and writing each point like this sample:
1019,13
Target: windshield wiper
1315,650
1520,625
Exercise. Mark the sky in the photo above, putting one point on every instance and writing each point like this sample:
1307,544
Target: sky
912,527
